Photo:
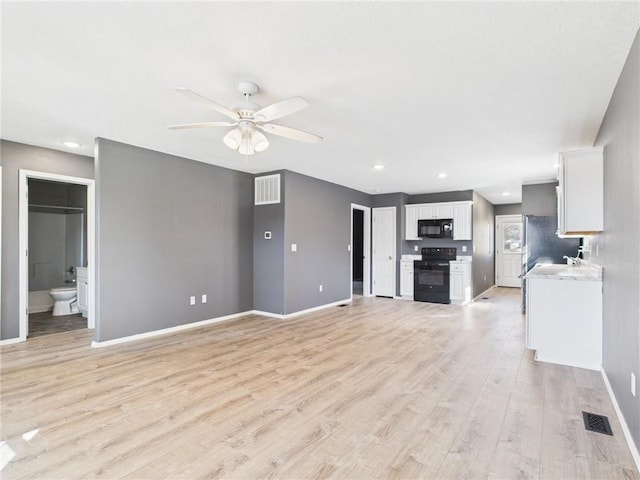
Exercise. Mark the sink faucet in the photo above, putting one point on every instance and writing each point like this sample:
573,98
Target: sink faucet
575,261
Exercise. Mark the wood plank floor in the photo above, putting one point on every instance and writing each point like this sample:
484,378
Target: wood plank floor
44,323
378,389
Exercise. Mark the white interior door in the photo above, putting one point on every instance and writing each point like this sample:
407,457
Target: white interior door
508,250
384,251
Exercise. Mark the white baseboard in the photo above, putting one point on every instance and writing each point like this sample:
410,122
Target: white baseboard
625,428
300,312
268,314
165,331
9,341
483,293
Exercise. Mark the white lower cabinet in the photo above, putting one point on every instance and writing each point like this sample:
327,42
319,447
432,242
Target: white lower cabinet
406,279
82,282
564,321
460,282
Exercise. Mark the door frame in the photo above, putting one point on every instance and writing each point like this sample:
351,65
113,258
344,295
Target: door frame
497,237
395,247
366,250
23,242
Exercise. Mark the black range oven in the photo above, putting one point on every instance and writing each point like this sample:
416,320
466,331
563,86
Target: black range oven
431,275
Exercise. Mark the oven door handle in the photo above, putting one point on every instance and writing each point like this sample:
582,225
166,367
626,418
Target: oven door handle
443,264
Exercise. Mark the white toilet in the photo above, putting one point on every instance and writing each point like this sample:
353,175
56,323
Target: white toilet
63,297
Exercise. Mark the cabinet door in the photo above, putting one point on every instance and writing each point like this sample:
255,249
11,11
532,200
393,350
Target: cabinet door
462,222
406,283
427,212
412,213
456,286
83,294
443,211
580,199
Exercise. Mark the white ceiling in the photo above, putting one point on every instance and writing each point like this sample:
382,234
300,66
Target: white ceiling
486,92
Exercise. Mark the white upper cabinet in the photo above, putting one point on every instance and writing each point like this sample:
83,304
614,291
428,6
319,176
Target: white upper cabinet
462,221
580,192
412,215
460,212
436,211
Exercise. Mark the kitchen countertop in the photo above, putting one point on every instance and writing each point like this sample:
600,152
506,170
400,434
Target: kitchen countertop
586,272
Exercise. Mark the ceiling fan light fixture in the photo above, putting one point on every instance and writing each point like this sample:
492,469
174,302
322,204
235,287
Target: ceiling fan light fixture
233,139
246,145
260,142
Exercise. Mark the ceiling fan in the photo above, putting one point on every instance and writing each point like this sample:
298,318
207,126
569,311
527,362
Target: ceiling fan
250,120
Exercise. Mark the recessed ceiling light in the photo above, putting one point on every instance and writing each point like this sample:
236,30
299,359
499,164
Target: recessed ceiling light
506,194
442,175
71,144
379,166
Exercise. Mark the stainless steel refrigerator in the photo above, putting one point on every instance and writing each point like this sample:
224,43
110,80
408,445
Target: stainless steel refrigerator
542,245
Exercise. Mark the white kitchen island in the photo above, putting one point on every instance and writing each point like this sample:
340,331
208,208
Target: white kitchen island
564,315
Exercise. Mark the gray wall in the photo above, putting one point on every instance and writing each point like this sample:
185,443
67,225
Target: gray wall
16,156
618,243
455,196
483,276
268,255
168,228
47,252
317,219
539,199
508,209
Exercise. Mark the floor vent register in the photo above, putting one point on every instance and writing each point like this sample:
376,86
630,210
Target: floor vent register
596,423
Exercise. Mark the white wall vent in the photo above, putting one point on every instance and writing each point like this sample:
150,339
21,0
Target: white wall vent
267,189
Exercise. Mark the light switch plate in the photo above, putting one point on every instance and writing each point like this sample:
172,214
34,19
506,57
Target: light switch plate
204,298
192,300
294,247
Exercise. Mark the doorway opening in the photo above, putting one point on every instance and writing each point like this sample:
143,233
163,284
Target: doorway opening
56,225
360,248
357,258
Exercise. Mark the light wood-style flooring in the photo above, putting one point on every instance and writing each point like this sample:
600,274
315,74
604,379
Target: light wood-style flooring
381,388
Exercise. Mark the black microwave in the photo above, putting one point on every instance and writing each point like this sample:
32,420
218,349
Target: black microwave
439,228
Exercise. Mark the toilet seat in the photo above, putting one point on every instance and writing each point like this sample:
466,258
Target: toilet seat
63,289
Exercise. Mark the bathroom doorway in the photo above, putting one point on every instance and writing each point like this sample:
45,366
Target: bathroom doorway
56,235
360,273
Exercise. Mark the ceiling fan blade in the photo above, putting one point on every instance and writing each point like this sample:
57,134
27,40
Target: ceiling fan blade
291,133
280,109
216,106
202,125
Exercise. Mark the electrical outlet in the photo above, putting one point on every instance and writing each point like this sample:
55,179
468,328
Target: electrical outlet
464,248
633,384
294,247
320,287
485,278
415,248
348,247
204,298
192,300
